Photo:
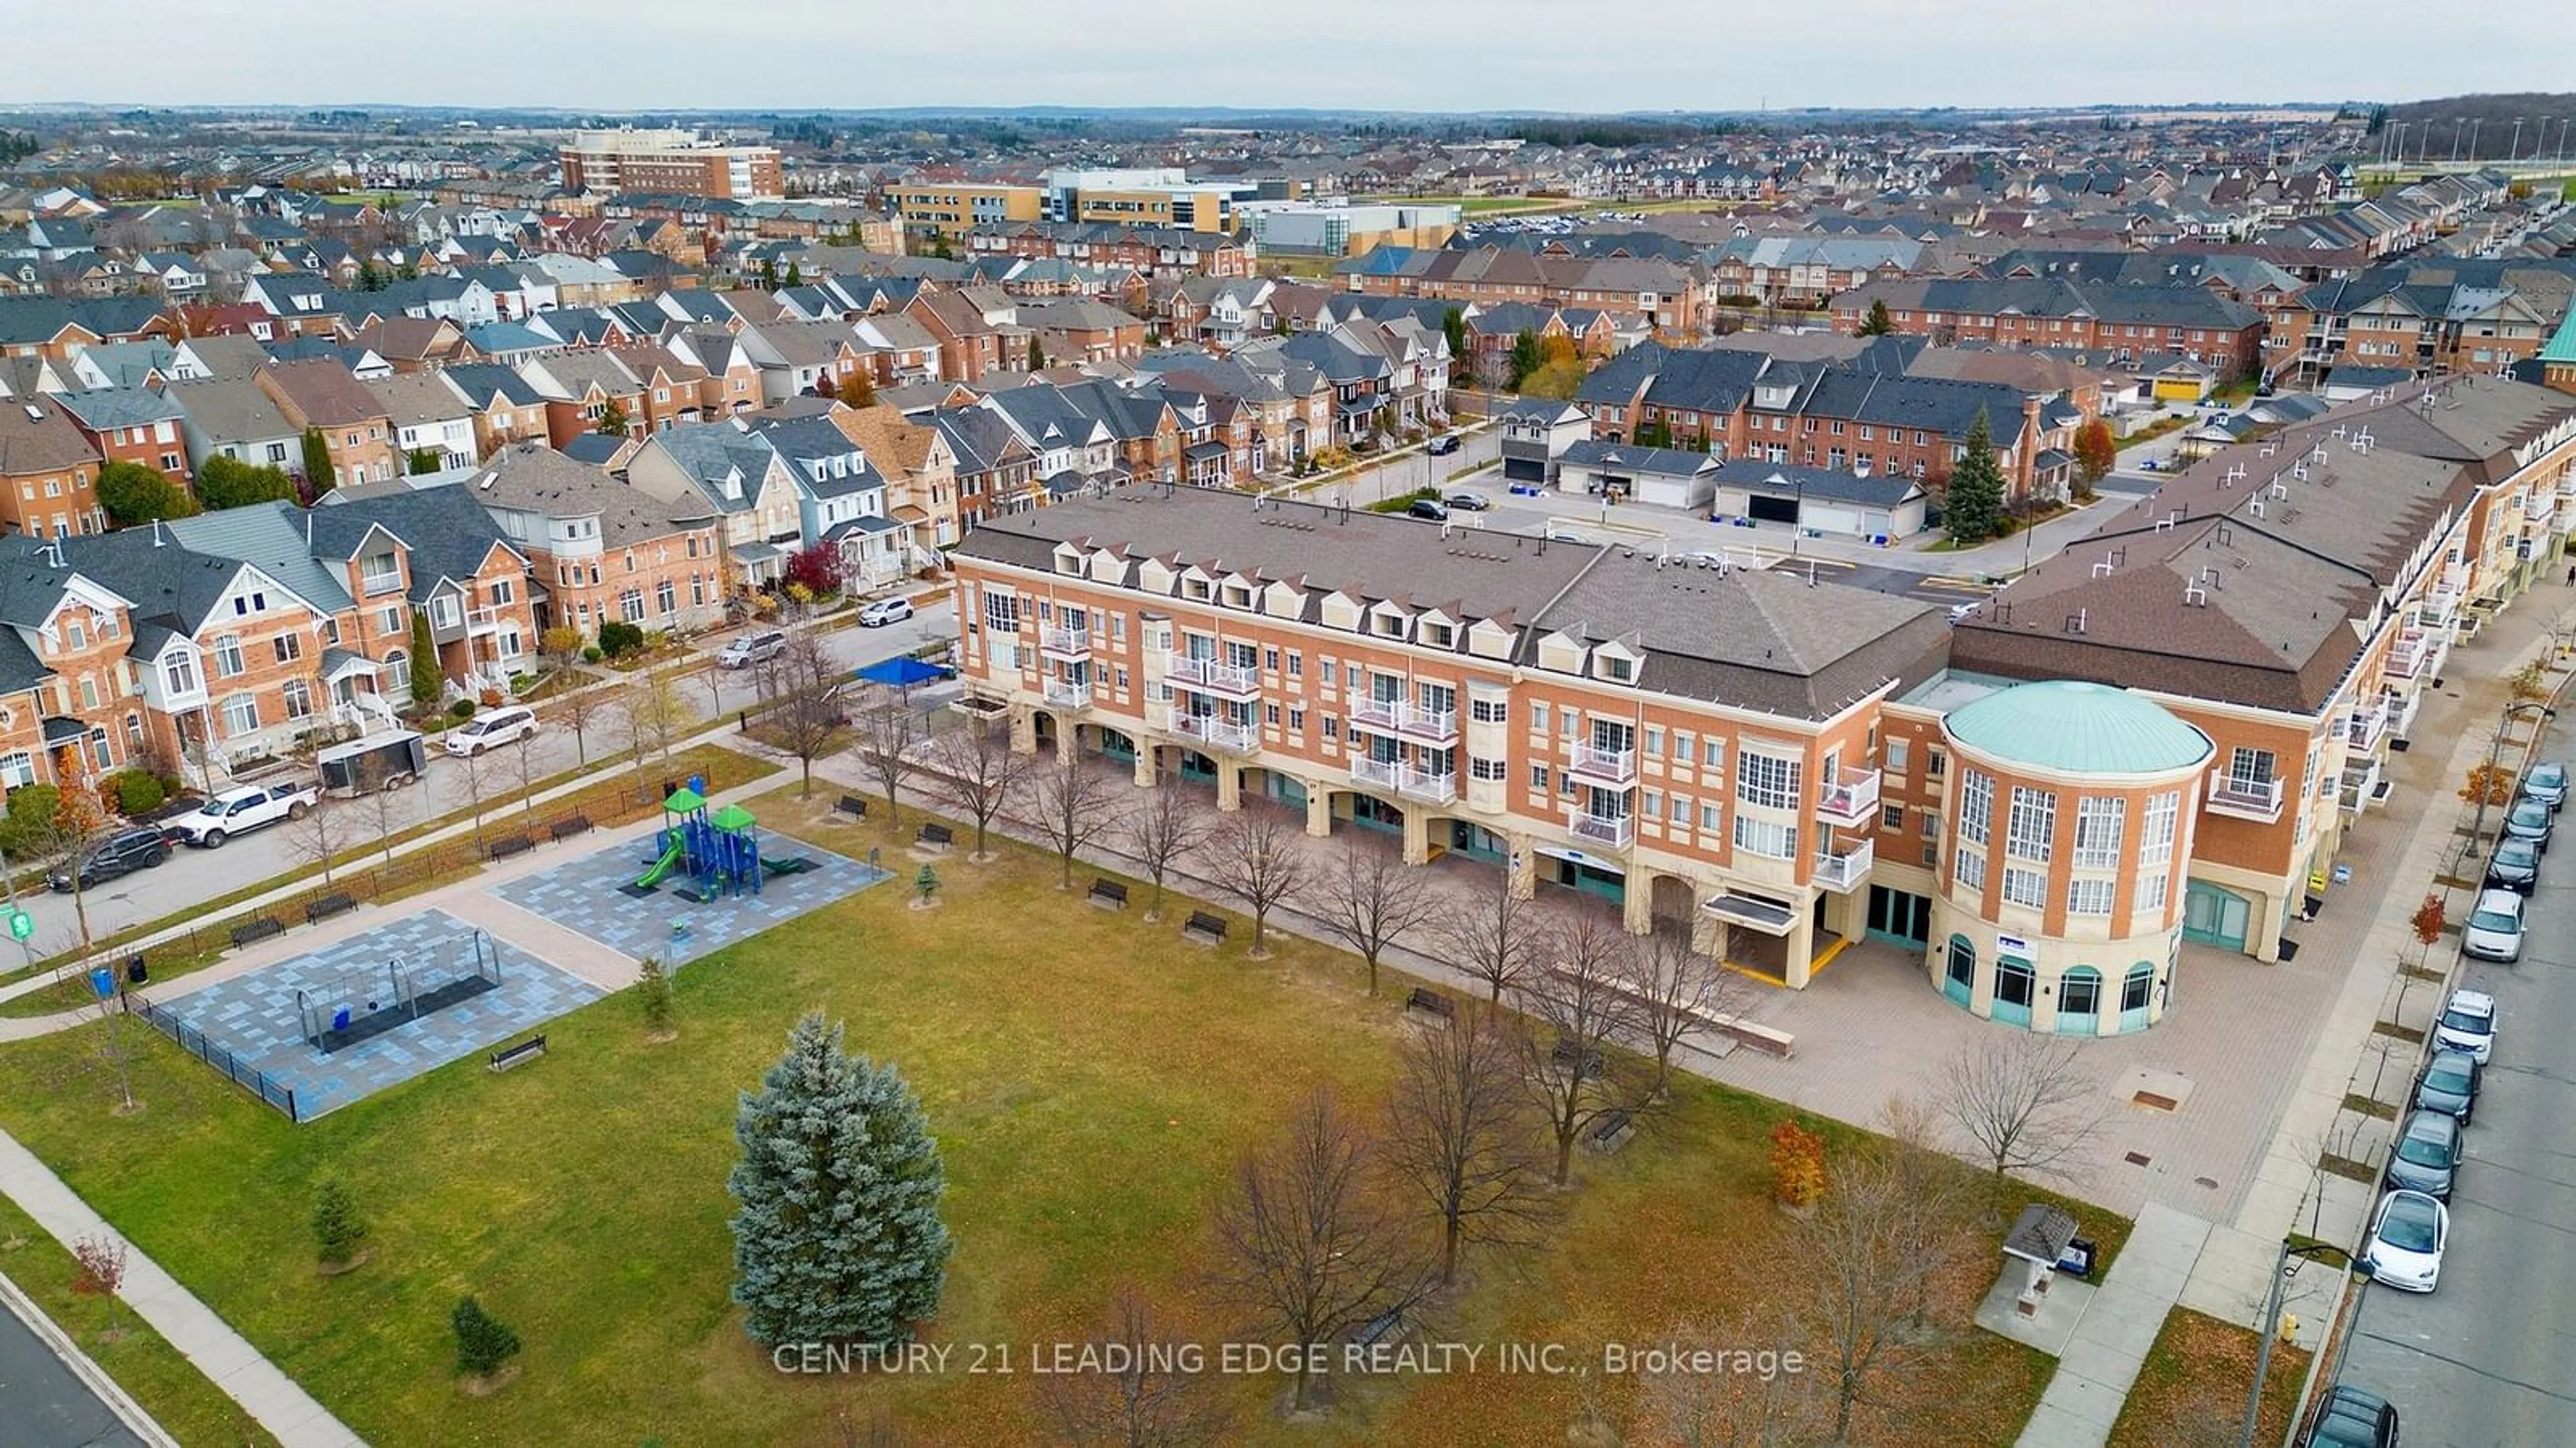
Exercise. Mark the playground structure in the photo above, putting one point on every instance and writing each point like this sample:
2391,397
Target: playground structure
718,852
355,1007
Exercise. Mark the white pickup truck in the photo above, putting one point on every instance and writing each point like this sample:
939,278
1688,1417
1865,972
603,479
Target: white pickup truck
239,811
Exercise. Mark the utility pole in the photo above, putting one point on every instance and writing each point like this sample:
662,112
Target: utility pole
2513,152
2474,123
2271,1331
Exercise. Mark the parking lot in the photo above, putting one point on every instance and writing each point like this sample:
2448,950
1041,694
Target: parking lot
2488,1360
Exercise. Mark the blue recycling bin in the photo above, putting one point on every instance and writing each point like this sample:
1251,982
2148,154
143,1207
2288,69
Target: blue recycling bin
340,1019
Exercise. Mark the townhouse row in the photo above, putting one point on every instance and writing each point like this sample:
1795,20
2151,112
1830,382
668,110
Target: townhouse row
2154,740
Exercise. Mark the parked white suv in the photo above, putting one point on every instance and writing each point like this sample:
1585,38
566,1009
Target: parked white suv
756,647
491,731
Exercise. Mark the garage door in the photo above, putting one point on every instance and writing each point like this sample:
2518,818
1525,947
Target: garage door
1524,470
1832,518
1765,509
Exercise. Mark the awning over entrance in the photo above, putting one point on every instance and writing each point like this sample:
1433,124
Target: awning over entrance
1577,857
1768,916
62,730
339,663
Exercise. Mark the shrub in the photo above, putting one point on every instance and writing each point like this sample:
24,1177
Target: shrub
617,639
337,1227
172,785
461,709
137,793
491,698
482,1343
30,817
590,654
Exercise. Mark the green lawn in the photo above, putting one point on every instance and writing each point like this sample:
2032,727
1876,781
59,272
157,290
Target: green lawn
2191,1389
1092,1079
143,1363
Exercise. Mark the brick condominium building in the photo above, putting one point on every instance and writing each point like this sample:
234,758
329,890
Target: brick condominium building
676,162
2156,737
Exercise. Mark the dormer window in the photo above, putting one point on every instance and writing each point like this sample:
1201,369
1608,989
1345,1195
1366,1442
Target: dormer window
1388,625
1616,668
1238,596
1195,588
1437,636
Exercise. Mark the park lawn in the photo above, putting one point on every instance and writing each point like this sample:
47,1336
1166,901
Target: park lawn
153,1373
1092,1079
2191,1389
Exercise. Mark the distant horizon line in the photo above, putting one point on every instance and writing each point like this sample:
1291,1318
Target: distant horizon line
1183,110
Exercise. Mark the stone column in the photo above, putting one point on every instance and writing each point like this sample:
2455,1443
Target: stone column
1522,869
1801,948
1637,901
1319,811
1229,784
1417,837
1147,775
1024,729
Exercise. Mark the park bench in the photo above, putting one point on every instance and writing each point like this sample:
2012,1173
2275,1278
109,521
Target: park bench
509,1056
1585,1063
1760,1037
1204,929
1611,1132
508,845
255,930
338,903
1108,894
935,836
1431,1002
853,806
567,827
1378,1329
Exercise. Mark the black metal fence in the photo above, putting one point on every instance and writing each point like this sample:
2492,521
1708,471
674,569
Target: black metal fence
193,1041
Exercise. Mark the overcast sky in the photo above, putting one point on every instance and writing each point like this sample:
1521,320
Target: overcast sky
1440,55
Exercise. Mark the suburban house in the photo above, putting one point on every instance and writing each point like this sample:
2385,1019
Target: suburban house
747,482
322,396
48,471
600,550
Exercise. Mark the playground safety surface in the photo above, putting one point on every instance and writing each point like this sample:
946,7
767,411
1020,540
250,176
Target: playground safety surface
586,895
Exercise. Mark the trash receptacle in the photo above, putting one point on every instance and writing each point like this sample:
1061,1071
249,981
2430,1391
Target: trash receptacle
2077,1259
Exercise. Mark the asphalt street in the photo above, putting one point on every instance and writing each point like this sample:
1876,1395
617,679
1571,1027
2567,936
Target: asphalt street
43,1403
2488,1360
192,875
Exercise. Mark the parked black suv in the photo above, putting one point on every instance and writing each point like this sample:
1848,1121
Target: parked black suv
121,853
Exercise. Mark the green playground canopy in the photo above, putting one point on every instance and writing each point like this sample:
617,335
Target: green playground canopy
684,800
732,817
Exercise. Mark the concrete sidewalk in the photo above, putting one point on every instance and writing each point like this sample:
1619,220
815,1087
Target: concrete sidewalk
2119,1325
285,1410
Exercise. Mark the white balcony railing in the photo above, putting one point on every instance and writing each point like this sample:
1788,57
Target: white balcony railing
1065,643
1068,693
2245,799
1613,767
1844,869
482,620
1605,831
1376,715
2367,726
1207,676
2408,655
1393,716
1217,733
1848,798
1411,781
1376,773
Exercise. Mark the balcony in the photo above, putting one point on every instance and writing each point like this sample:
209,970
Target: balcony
1207,676
1848,799
2409,657
1606,832
1216,733
1065,643
2367,726
482,620
2245,799
1609,768
1068,693
1391,716
1412,782
1845,869
2437,608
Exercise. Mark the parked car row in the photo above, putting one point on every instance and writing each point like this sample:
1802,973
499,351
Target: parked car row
2411,1226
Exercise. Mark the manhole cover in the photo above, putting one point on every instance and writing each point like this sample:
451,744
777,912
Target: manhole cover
2137,1158
2207,1183
2154,1099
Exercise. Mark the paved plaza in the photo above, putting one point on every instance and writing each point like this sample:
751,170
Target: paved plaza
584,895
258,1017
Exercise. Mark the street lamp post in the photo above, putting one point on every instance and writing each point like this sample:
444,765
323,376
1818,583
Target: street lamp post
2495,757
2513,152
2272,1330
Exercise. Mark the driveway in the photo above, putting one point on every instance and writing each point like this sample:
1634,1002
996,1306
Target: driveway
193,876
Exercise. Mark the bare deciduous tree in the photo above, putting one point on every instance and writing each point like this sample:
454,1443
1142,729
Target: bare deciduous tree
1770,1404
1162,830
1141,1397
1861,1254
1462,1137
1935,1236
2024,1100
470,767
804,710
582,709
384,814
321,835
976,771
1256,856
1490,935
655,713
1311,1244
1070,805
1677,990
1366,896
1579,1006
887,730
527,771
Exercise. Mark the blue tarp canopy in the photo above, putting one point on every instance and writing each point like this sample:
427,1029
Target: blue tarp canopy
902,673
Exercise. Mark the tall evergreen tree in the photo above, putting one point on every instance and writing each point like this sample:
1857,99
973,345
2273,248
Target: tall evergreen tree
1454,323
1525,357
425,675
1037,356
318,478
839,1237
1974,508
795,274
768,274
1878,323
